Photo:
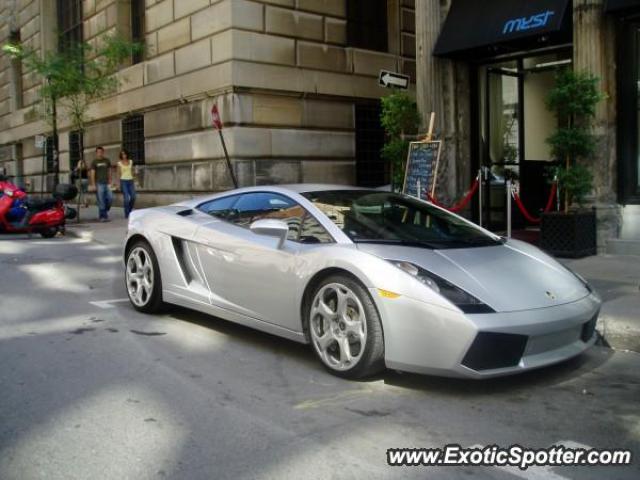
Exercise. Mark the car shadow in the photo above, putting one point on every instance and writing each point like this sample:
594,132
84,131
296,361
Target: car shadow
539,378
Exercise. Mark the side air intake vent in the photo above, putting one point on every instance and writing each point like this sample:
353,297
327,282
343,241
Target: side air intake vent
181,255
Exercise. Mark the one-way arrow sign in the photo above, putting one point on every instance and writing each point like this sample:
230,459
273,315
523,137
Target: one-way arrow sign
392,79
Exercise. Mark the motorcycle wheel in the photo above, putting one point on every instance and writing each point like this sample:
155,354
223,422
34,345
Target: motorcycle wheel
49,232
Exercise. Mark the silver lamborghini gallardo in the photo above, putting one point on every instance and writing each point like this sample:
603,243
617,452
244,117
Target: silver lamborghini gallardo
370,279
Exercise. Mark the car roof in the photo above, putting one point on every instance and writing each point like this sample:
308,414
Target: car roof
317,187
298,188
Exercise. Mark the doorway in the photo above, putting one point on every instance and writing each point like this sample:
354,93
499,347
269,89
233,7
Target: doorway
513,126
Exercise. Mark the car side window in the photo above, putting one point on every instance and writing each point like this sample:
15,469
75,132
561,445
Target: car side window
263,205
312,232
220,207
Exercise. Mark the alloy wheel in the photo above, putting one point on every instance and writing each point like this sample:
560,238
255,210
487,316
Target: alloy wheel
139,276
338,326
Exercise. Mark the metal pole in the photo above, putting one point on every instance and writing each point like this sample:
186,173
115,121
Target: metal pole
508,208
480,188
226,156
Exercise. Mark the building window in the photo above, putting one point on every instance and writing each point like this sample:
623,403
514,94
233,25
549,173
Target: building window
371,169
49,155
367,24
16,74
69,24
137,27
133,138
75,148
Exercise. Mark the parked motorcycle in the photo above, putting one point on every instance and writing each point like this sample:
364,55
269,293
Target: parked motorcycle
47,216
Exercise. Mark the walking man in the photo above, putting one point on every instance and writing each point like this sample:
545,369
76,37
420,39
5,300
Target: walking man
101,181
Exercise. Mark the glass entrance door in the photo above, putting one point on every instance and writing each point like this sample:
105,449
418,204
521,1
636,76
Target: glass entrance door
514,126
503,145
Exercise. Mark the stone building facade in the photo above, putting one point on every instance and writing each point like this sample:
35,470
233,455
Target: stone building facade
293,79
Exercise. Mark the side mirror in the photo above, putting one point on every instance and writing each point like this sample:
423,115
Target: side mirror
271,228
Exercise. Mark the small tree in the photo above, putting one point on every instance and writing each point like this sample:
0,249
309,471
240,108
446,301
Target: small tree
74,78
399,118
573,100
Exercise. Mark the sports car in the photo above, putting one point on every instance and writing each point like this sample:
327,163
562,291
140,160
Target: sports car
370,279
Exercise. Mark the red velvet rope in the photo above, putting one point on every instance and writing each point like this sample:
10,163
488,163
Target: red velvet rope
530,218
552,197
462,203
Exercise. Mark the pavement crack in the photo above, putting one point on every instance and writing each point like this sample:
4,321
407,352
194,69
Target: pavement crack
82,330
148,334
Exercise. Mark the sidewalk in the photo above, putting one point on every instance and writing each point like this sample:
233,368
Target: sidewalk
615,277
111,233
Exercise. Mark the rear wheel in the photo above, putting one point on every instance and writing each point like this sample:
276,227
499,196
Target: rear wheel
345,329
142,277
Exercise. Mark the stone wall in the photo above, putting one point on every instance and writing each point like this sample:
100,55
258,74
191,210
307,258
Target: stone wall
281,72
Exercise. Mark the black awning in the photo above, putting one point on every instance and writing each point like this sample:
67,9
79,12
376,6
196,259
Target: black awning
475,27
620,5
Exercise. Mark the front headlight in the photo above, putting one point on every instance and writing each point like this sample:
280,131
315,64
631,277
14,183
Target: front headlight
461,299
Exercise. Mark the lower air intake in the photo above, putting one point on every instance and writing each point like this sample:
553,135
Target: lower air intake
495,350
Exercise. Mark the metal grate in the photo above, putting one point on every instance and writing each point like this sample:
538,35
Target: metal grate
49,155
137,27
69,24
75,148
371,169
133,138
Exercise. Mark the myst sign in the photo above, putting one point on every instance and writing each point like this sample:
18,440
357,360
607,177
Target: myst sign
523,24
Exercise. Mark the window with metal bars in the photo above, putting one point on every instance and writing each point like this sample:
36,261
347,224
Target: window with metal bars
75,148
137,28
371,169
69,24
367,24
133,138
49,155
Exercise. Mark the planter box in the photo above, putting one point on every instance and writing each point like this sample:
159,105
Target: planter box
570,235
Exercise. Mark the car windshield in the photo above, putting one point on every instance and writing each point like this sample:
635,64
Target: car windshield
368,216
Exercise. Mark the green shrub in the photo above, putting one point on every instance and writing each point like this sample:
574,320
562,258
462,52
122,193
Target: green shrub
399,117
574,99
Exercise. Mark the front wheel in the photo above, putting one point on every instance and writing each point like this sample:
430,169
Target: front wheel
345,329
142,277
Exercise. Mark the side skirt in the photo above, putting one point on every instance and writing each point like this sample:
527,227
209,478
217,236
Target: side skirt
182,301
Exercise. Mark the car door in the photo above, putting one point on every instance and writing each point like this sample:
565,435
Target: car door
248,273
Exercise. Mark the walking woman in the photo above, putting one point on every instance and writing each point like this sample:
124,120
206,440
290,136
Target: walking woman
127,182
82,177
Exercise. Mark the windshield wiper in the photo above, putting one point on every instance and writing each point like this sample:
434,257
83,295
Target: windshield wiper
481,241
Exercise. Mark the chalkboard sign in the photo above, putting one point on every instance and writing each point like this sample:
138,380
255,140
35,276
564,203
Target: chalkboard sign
422,168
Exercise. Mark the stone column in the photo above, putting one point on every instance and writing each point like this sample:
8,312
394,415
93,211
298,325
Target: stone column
594,52
428,67
442,87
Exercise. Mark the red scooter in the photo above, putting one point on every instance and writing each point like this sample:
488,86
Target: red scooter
21,214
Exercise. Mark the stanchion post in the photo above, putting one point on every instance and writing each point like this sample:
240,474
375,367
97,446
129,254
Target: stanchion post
480,192
509,208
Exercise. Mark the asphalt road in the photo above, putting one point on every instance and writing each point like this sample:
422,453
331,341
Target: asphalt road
90,389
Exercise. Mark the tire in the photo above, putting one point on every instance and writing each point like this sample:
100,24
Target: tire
49,232
142,278
344,328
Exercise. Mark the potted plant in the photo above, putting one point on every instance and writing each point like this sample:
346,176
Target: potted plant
571,232
400,118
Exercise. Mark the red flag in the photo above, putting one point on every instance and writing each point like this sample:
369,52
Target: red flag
215,117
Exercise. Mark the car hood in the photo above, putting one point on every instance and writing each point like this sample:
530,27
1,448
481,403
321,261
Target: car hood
510,277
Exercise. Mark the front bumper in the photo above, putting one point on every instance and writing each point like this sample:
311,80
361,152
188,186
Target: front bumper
425,339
